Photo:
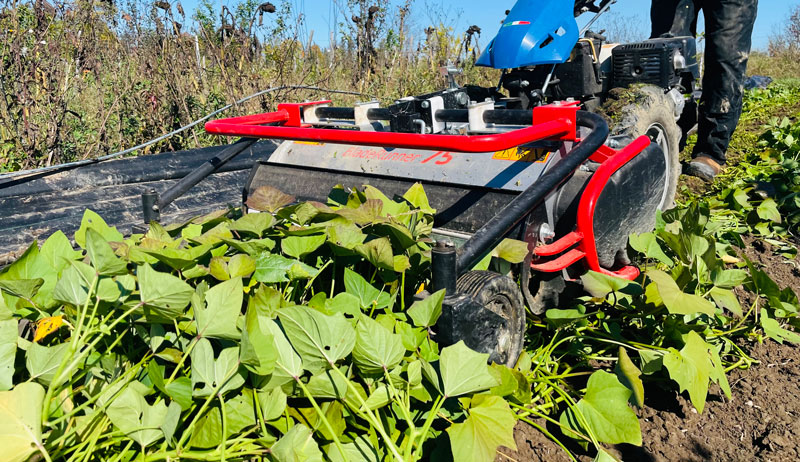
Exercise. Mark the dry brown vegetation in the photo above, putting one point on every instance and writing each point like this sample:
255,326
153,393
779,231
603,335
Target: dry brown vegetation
782,59
86,78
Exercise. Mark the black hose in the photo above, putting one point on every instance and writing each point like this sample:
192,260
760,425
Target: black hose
204,170
489,235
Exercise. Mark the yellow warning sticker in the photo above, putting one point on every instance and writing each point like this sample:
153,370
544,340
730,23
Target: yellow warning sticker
522,154
312,143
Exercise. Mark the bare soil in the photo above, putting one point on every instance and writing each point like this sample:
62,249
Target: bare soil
760,422
785,272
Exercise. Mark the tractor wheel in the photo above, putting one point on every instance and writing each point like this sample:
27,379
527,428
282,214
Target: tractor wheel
647,110
501,295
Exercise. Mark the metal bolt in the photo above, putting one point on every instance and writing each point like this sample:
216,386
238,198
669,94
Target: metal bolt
524,84
546,233
678,61
426,104
463,99
443,244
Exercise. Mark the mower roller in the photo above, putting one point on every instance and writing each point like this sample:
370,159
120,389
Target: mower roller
534,164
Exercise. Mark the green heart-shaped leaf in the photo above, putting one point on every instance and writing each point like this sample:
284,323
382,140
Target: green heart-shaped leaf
464,370
605,410
21,421
376,349
490,424
319,339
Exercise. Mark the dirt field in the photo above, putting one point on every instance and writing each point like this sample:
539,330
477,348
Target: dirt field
760,422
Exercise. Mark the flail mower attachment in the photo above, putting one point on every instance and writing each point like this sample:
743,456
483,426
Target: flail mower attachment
542,175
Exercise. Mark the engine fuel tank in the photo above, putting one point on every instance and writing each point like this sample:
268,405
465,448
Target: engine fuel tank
541,32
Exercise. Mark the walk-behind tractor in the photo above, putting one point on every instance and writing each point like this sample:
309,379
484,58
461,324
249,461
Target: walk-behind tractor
530,159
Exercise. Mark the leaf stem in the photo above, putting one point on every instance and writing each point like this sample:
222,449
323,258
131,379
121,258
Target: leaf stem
88,349
321,415
395,397
188,431
551,420
122,453
561,376
311,281
371,418
753,306
183,359
423,434
202,455
128,372
259,413
578,414
224,428
73,346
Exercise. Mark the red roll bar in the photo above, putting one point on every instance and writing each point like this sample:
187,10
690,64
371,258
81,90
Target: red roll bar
548,122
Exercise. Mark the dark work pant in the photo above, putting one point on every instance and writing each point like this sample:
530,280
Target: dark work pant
729,26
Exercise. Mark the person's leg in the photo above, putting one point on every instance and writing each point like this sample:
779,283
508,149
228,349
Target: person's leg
675,17
729,26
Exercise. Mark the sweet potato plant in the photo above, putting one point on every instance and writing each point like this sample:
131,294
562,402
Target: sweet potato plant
288,334
292,333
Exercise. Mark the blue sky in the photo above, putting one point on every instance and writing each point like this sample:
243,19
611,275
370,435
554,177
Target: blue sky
322,15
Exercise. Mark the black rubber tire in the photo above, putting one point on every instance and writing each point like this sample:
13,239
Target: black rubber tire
501,295
649,112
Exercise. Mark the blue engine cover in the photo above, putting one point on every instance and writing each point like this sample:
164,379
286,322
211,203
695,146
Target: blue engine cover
534,32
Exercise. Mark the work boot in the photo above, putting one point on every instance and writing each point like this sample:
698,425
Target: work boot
703,167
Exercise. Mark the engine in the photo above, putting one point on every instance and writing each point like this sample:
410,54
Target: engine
595,67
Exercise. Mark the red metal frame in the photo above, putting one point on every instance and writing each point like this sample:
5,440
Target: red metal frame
585,219
583,237
555,248
554,122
